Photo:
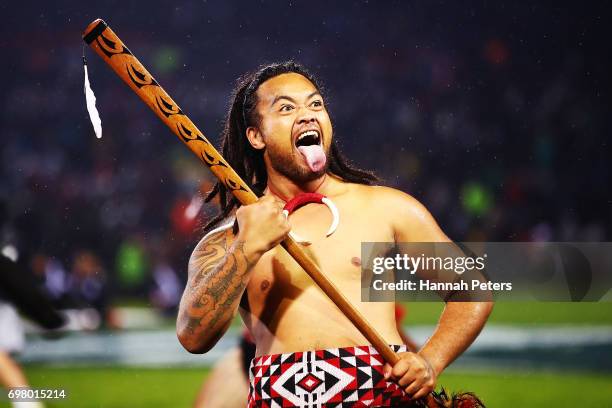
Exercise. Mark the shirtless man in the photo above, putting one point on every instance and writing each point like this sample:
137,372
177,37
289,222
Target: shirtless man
326,360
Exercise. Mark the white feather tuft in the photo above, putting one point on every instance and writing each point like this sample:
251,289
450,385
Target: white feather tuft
94,116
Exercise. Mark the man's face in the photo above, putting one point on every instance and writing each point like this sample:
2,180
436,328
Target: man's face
294,127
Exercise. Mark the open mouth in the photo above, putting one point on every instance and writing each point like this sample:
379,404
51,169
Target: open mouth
308,138
308,143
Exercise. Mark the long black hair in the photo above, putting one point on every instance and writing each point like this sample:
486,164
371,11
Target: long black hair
245,159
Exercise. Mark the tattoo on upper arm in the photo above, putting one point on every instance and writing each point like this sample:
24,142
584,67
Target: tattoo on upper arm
217,278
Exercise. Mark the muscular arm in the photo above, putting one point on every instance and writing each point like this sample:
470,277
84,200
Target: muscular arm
220,268
218,274
460,322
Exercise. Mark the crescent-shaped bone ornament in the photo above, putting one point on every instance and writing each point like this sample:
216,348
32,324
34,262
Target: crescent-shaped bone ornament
308,198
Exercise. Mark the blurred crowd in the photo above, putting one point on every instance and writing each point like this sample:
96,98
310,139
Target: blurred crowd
495,118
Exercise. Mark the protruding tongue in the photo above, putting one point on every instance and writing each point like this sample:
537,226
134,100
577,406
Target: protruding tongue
314,155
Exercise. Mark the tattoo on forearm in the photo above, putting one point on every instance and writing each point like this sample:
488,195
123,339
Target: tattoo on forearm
217,279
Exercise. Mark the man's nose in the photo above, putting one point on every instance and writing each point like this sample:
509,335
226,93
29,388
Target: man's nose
305,115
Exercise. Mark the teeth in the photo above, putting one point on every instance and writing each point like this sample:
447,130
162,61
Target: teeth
308,133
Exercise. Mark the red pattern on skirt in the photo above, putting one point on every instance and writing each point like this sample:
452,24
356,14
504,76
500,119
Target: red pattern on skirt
340,378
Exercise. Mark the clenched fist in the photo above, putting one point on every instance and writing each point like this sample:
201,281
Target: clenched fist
262,225
413,373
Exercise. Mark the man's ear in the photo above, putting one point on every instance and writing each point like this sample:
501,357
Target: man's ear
255,138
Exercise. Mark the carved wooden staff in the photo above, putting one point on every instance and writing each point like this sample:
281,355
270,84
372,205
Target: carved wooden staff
114,52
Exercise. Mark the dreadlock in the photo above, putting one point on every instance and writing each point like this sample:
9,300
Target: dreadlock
245,159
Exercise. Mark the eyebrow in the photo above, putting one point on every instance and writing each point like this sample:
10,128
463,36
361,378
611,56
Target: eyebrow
290,99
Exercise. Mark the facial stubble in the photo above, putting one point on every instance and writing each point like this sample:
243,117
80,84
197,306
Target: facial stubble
288,166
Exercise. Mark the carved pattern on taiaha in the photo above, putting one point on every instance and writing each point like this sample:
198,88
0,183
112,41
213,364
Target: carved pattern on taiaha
114,52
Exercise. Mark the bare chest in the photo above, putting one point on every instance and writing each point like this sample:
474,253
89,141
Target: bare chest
277,278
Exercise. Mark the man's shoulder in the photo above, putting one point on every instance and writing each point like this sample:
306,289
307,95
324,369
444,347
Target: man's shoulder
400,210
222,232
222,226
212,246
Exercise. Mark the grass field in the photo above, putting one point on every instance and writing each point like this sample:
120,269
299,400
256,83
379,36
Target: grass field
524,313
96,386
131,387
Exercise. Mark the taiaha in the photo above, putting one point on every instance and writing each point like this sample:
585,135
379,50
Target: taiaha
114,52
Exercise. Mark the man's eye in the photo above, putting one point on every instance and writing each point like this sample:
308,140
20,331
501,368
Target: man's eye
286,108
317,103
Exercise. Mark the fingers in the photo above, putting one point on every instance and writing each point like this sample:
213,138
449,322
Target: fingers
408,380
412,383
275,206
416,385
266,204
262,224
400,368
413,374
387,371
423,392
285,227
